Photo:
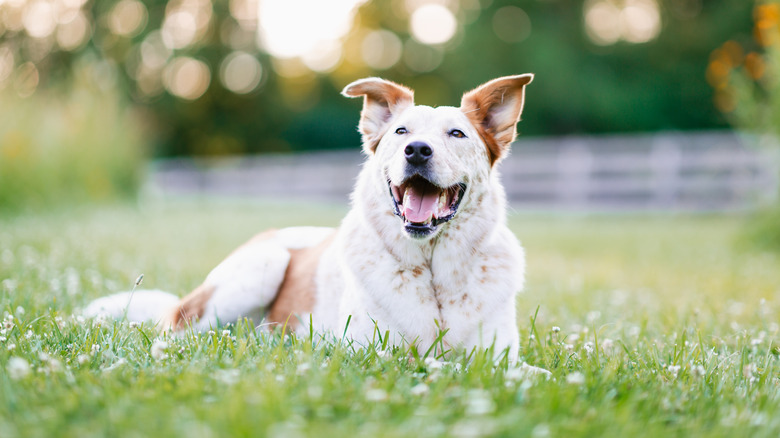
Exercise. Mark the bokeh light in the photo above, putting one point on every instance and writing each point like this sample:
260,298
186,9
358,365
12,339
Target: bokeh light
433,24
641,20
381,49
245,13
73,34
186,77
240,72
602,21
634,21
154,52
127,18
286,32
186,21
38,19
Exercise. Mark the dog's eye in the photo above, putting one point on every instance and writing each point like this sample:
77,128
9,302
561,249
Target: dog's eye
401,131
457,133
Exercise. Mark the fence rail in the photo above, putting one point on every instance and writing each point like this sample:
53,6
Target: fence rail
711,171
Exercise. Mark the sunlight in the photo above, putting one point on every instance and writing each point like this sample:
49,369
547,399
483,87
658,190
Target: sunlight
433,24
302,28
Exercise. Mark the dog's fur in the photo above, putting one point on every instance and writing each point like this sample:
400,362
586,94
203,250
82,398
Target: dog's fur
437,257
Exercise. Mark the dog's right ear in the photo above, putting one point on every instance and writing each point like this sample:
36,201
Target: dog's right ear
382,101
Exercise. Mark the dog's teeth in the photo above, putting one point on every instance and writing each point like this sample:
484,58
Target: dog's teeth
442,203
407,195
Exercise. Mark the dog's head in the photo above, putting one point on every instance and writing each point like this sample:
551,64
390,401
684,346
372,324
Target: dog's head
434,161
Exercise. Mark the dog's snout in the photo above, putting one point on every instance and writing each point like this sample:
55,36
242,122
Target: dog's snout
418,153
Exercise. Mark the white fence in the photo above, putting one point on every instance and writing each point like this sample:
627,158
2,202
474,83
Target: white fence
712,171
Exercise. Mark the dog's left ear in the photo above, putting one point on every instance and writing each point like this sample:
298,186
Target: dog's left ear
383,100
494,108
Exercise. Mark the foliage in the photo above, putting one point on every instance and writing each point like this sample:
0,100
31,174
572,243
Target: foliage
580,87
651,327
747,85
747,88
80,145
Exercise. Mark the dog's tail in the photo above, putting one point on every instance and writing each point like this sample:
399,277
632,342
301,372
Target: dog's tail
140,305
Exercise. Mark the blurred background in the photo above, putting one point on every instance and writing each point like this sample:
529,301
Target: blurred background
660,105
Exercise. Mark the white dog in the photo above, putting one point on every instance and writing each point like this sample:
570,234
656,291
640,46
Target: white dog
423,251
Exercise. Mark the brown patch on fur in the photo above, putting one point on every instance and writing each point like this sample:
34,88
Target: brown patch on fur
193,306
494,109
417,271
297,293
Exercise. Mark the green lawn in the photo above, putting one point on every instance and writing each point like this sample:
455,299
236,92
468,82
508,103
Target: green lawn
663,326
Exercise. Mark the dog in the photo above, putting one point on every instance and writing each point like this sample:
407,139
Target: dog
424,255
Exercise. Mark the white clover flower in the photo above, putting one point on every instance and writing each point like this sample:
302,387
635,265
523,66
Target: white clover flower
18,368
95,349
376,395
82,359
575,378
588,347
29,334
748,372
419,389
556,329
303,368
433,364
53,365
225,332
11,347
115,365
698,371
20,310
158,349
3,339
133,324
674,370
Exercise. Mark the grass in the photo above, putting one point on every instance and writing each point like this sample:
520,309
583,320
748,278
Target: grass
651,327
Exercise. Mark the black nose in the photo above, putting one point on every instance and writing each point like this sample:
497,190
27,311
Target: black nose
418,153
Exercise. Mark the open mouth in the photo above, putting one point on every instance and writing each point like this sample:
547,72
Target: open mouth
423,205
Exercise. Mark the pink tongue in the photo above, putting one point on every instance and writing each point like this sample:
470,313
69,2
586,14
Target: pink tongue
420,206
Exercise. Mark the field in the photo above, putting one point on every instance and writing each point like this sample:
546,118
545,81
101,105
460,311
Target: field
651,326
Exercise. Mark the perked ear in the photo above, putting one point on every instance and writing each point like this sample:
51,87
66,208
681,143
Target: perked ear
494,108
383,100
